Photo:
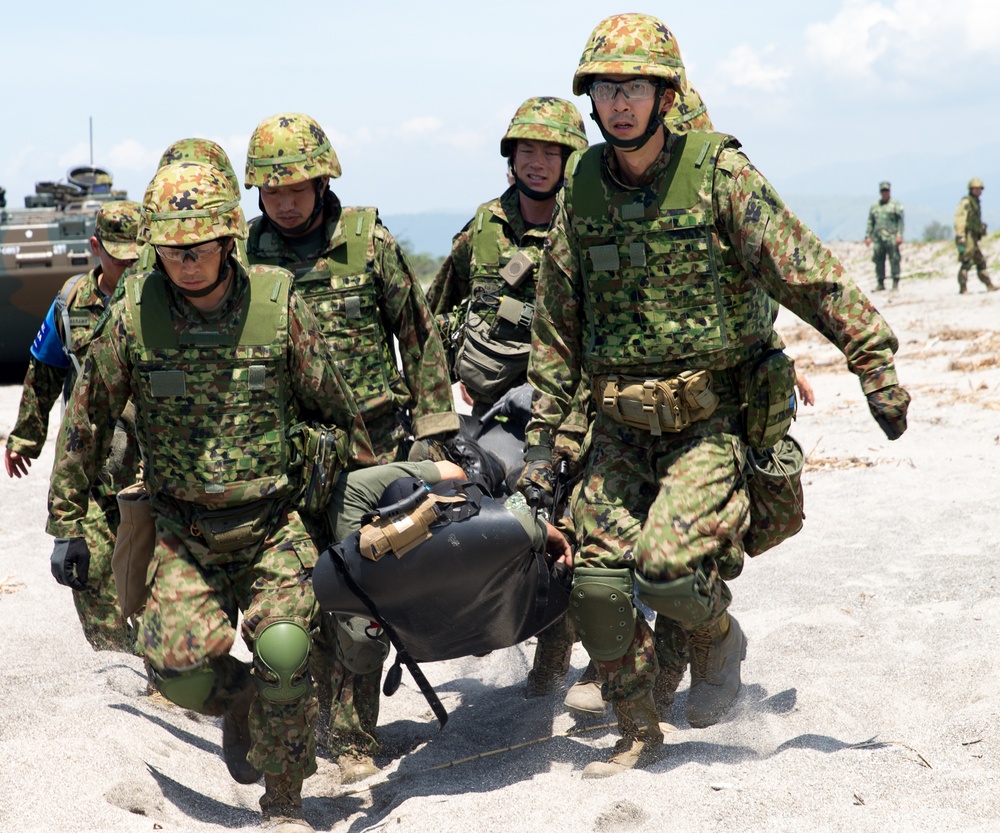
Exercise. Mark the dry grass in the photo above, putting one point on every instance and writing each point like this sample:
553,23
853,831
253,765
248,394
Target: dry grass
9,584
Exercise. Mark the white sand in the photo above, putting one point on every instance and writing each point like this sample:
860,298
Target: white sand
871,687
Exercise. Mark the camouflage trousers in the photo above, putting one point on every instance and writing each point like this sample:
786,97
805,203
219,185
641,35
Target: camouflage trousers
882,249
972,256
97,606
195,596
665,507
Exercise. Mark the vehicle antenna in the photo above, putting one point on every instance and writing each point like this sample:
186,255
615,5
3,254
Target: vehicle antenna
91,118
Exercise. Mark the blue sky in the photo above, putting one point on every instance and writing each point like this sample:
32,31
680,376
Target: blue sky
827,97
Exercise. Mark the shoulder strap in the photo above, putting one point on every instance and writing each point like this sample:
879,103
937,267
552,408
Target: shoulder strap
64,300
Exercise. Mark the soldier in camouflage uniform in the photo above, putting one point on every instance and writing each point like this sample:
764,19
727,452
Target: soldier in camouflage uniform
353,274
220,363
484,294
56,356
885,230
657,272
969,230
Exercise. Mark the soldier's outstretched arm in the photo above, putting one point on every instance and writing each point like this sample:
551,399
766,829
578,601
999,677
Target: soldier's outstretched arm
423,356
319,385
794,267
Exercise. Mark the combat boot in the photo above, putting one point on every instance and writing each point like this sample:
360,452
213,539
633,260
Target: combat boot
640,742
236,740
584,696
895,284
552,656
281,805
716,654
356,766
990,286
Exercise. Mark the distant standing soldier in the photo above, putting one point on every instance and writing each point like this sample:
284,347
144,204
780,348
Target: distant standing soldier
57,354
357,281
885,231
220,363
663,256
969,230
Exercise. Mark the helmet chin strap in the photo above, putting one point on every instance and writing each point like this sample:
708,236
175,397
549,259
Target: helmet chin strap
224,270
530,192
303,227
655,123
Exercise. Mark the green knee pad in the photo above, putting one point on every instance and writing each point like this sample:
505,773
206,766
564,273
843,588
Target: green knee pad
188,689
691,601
600,606
359,652
281,657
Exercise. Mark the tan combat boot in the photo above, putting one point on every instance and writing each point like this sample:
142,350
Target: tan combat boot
281,805
640,742
716,654
584,696
356,766
236,740
552,656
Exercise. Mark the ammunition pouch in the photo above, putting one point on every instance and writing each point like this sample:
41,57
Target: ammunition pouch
657,405
774,482
134,545
236,528
767,398
600,605
316,452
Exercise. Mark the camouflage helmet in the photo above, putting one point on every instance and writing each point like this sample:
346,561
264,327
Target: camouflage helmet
201,150
188,203
975,182
288,148
118,228
688,112
631,44
545,119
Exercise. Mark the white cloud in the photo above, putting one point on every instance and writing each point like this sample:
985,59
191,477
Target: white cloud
420,126
746,67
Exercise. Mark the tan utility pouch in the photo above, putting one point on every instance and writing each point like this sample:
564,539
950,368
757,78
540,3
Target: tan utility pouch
133,548
399,534
228,530
657,405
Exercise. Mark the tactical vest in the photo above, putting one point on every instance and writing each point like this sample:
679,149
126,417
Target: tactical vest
663,291
215,404
345,297
496,342
886,219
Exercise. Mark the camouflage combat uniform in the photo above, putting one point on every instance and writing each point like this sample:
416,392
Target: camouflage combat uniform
195,593
969,230
356,279
885,227
50,376
676,505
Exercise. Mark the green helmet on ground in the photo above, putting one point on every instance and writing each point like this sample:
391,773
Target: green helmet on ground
289,148
975,182
188,203
117,227
201,150
631,44
545,119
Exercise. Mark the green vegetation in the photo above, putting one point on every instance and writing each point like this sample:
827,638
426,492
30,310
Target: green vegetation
936,231
425,266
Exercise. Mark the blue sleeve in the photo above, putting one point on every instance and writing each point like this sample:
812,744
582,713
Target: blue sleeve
47,346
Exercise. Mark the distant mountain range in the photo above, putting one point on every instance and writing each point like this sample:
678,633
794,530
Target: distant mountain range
833,218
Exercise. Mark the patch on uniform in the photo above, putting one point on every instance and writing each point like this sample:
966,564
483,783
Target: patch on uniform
633,211
637,254
256,374
604,258
167,383
352,306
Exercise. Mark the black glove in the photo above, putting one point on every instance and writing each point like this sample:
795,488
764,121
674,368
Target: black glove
537,480
889,406
71,562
